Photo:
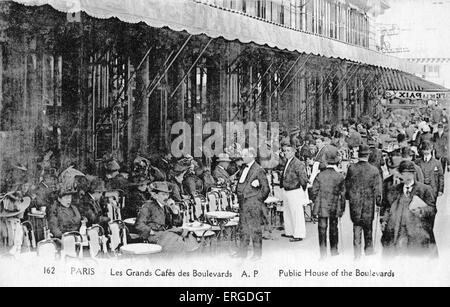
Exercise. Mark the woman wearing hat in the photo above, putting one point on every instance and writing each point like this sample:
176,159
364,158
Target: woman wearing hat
12,210
138,196
176,178
159,219
407,228
62,216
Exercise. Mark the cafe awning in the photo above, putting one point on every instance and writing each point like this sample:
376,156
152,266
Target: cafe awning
198,18
400,85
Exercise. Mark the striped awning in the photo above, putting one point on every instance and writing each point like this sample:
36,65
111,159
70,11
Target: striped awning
198,17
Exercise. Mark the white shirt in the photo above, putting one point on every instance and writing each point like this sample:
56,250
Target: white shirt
245,172
287,165
408,189
427,158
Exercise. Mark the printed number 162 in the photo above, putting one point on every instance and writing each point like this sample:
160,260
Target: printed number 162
49,271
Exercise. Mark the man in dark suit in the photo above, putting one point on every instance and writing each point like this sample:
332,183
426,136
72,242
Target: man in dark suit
159,220
328,195
440,142
220,173
294,182
407,226
363,186
432,170
252,190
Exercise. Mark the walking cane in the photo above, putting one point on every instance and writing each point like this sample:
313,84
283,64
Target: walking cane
341,244
377,220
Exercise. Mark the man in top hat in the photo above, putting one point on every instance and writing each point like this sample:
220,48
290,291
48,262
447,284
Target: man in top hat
252,190
432,170
440,142
62,215
220,172
328,195
407,227
159,220
363,186
138,195
294,181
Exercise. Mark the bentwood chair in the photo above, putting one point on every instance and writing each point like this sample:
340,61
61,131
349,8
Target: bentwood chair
97,241
117,235
29,238
72,245
49,248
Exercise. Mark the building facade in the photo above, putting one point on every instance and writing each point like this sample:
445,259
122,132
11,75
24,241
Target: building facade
112,81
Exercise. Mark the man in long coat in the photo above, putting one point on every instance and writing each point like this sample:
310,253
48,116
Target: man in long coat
407,226
252,190
363,186
328,195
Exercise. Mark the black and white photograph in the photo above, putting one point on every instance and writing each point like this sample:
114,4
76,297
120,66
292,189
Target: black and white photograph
224,143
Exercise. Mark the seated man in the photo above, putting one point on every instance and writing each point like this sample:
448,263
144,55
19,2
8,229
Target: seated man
220,173
158,219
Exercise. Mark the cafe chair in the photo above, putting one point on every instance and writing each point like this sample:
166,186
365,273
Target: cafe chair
206,238
200,204
97,241
117,235
213,201
49,248
225,200
29,241
72,245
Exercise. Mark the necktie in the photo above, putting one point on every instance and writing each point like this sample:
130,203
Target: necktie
408,191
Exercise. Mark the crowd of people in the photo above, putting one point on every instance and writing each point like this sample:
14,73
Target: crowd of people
385,169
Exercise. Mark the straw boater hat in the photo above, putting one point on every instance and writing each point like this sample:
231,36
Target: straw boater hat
223,157
10,206
161,186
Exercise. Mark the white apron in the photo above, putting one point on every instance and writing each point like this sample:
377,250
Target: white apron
294,214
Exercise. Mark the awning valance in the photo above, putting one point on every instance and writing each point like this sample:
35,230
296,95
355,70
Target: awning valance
198,18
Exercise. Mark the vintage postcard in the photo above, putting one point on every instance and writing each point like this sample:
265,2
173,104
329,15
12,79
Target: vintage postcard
224,143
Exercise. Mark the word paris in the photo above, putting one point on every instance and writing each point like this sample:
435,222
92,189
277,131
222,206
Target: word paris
209,139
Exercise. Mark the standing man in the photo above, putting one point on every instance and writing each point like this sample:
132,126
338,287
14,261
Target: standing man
363,186
328,195
432,170
440,141
295,183
252,190
407,222
376,156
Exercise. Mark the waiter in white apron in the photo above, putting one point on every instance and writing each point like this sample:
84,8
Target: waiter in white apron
294,182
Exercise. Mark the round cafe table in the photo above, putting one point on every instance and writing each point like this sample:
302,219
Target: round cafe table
272,203
140,249
130,222
220,219
199,229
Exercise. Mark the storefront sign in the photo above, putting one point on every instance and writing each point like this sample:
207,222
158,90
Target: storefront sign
417,95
